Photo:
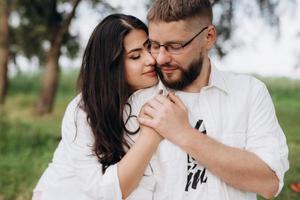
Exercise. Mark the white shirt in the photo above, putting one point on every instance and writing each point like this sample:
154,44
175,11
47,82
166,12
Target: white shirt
75,172
196,173
237,111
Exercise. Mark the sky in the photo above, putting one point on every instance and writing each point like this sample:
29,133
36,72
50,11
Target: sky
261,52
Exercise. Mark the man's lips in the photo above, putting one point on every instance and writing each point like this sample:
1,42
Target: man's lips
168,69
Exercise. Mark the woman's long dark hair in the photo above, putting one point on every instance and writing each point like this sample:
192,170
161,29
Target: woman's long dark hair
103,86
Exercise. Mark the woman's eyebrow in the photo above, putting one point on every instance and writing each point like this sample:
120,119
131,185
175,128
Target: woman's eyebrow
136,49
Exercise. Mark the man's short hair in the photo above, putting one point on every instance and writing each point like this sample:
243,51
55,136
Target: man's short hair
175,10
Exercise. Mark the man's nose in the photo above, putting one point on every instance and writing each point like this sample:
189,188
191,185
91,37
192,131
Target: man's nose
163,56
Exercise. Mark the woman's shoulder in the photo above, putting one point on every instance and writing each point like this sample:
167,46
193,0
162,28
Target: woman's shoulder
75,124
143,95
75,108
76,102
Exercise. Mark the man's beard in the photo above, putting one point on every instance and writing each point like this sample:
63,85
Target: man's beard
187,76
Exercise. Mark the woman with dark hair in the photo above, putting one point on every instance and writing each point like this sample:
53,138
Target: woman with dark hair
98,157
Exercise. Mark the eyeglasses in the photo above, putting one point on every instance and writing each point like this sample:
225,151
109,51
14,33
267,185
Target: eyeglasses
173,47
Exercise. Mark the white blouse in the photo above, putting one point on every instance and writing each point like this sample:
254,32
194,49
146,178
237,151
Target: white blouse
75,172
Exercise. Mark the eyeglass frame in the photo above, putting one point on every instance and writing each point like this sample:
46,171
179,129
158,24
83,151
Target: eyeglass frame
166,46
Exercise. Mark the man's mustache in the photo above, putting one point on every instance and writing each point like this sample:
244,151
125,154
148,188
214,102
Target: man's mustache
157,66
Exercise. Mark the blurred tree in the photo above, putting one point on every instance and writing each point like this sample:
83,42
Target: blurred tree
5,10
58,25
225,21
43,32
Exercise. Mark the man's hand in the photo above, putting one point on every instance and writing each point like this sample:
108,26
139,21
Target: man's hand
167,115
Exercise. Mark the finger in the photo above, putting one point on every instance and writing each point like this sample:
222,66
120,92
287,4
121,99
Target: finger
143,114
155,104
170,98
150,111
176,100
162,99
146,122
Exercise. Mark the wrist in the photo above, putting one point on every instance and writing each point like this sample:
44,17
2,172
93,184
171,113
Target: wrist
182,138
150,135
187,137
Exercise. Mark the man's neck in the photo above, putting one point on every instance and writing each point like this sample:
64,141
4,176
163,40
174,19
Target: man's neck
202,80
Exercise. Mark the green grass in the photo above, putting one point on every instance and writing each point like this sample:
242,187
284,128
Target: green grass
27,142
286,96
25,151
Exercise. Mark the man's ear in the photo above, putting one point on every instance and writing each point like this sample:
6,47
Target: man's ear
211,37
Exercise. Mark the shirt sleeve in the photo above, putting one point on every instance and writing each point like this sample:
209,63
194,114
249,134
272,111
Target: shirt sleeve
78,141
265,137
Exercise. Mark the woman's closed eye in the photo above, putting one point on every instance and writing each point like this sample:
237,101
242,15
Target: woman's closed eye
135,56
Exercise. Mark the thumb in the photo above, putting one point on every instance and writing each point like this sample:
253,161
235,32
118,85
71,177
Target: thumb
145,121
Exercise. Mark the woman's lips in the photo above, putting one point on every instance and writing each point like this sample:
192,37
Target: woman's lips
150,73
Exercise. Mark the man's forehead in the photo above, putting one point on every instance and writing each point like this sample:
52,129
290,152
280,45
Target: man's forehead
166,31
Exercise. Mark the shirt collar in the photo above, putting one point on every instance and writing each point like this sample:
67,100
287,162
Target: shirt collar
217,79
162,87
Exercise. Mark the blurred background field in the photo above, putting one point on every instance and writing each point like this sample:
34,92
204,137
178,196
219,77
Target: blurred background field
27,141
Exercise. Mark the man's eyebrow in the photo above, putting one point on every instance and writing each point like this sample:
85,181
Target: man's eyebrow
169,42
152,40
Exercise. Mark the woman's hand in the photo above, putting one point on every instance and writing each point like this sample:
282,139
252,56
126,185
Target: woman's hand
147,131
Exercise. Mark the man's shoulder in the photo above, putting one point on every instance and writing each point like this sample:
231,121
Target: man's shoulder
238,81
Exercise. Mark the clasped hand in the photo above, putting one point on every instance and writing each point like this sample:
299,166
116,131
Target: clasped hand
166,115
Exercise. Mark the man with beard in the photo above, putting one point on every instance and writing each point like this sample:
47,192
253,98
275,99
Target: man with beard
222,137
